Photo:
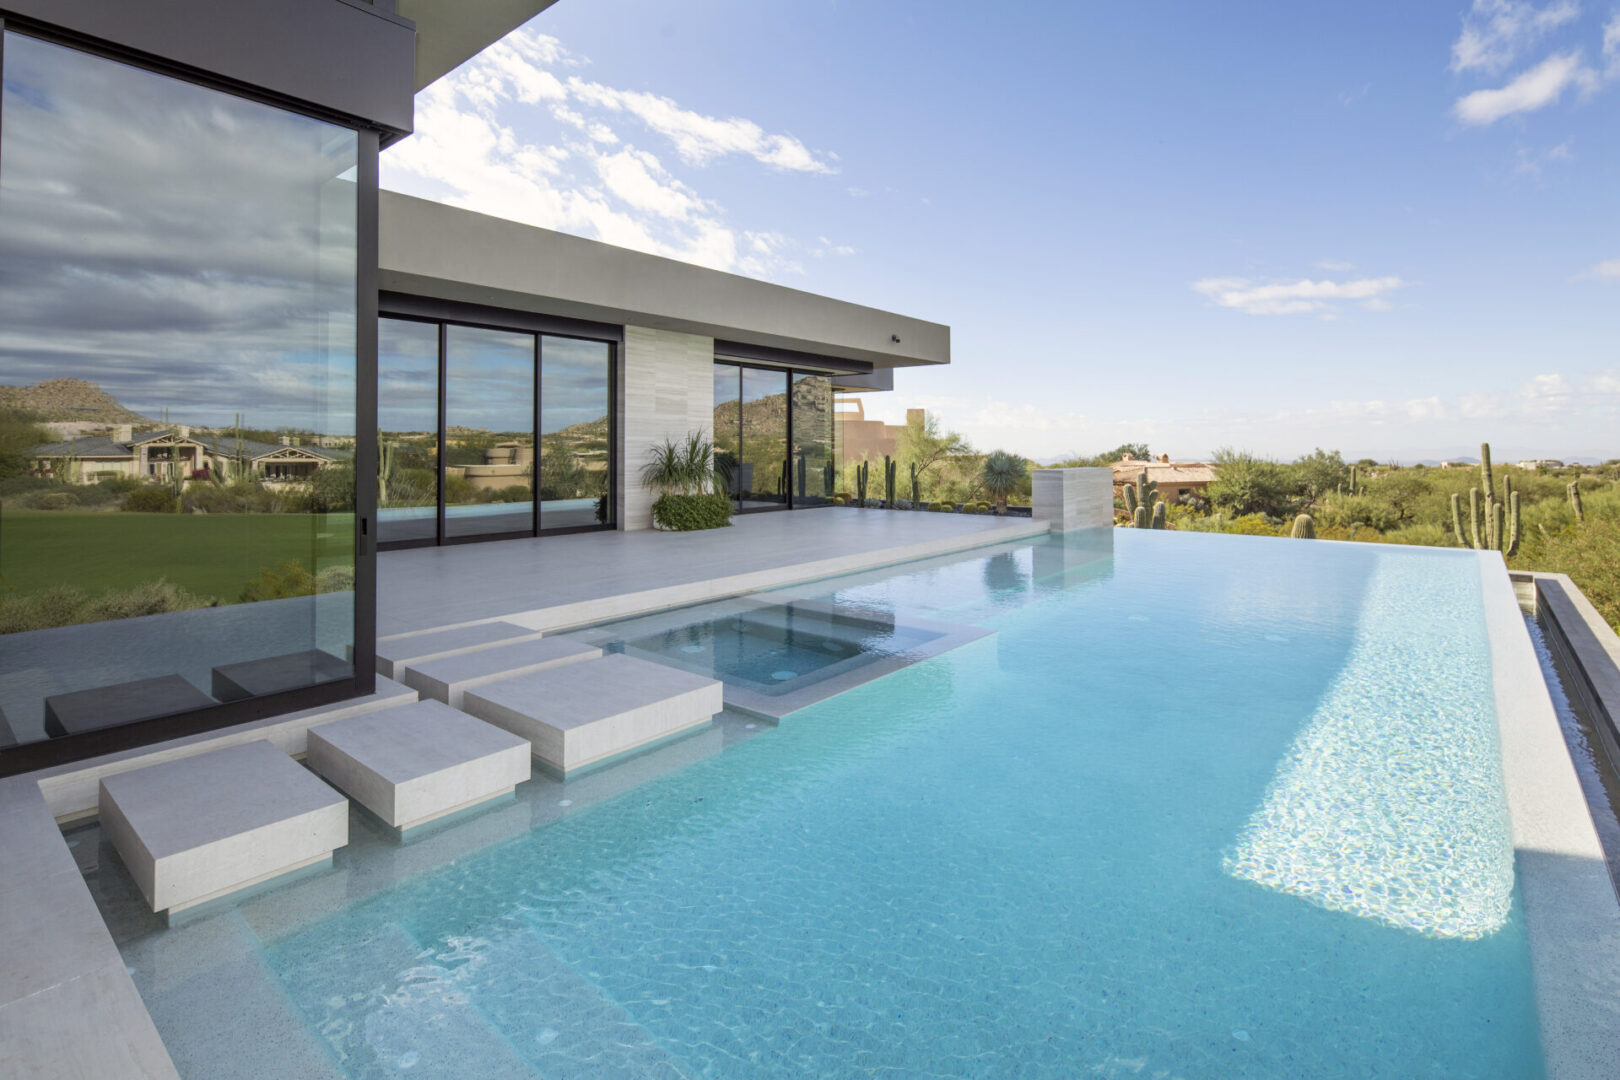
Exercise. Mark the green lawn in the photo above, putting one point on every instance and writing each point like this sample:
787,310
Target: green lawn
209,554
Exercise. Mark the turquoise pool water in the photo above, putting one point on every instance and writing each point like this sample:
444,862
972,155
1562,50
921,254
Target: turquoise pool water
1201,807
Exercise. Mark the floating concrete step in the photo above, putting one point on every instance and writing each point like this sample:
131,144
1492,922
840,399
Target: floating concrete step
584,713
273,674
418,762
446,679
211,824
123,703
396,655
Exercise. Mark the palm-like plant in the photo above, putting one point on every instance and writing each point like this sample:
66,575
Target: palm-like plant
1002,474
681,468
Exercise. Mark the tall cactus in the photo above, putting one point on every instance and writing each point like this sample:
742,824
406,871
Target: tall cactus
861,473
888,481
1304,527
827,478
1353,478
803,476
1493,525
916,487
1575,502
1142,503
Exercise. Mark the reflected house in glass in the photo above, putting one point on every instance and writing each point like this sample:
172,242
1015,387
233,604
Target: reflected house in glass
236,370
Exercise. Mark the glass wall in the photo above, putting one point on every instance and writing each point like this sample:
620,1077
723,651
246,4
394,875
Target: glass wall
178,274
575,454
775,446
407,430
488,432
492,399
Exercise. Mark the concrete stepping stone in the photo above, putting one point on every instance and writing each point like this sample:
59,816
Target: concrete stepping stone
448,678
396,655
204,826
584,713
273,674
418,762
124,703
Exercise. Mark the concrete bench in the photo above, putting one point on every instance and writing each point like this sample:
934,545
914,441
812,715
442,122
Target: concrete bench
585,713
448,678
397,654
204,826
418,762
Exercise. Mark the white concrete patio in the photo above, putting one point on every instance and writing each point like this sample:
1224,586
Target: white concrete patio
552,582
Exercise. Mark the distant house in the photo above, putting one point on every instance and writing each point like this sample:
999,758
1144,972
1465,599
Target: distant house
158,455
1175,478
1541,463
859,438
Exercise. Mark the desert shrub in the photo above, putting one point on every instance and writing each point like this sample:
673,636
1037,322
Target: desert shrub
1423,535
51,500
26,485
64,605
335,579
513,493
684,513
151,500
278,583
119,484
331,491
1368,510
1254,525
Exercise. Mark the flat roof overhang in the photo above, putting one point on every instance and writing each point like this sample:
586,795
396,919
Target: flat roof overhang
451,32
443,252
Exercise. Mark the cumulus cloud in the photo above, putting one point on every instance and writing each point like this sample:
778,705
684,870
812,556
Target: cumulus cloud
1304,297
1607,270
1537,88
601,174
1495,32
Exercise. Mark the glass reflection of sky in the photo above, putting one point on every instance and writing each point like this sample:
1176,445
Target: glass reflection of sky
573,382
489,383
187,250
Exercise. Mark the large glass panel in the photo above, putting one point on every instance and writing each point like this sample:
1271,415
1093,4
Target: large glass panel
763,475
407,430
489,432
814,472
574,404
727,424
177,346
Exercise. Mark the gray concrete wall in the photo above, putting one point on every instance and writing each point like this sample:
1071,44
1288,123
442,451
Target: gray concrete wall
428,249
1073,498
666,389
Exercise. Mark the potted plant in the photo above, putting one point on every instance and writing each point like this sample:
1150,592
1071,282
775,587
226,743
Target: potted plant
689,486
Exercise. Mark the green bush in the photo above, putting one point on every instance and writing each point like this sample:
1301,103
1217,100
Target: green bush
51,500
151,500
64,605
27,485
683,513
335,579
278,583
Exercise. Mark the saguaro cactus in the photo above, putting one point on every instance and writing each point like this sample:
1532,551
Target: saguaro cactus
1353,478
1575,502
916,488
1493,525
888,481
827,477
861,473
1304,527
1143,504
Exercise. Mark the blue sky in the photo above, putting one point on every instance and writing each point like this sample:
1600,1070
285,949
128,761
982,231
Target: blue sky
1389,228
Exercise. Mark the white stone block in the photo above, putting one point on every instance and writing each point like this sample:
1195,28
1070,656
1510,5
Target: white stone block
1073,498
584,713
448,678
397,655
418,762
203,826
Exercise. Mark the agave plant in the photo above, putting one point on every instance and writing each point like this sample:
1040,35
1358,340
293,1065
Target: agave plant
1003,472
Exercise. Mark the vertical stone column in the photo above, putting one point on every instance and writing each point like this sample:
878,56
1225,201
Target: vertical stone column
1074,498
666,389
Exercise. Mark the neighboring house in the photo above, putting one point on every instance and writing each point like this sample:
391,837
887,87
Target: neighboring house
303,296
872,440
1541,463
157,455
1175,478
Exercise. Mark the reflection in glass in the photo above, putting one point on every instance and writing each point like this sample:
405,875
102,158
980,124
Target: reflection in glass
574,456
813,470
177,306
407,430
763,475
489,432
728,424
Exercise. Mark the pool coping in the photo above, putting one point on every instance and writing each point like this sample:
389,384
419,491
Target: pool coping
1572,915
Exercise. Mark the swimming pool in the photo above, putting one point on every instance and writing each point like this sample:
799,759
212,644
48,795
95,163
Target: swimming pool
1201,806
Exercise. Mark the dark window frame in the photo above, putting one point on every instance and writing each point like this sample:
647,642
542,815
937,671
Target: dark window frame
790,502
407,307
68,749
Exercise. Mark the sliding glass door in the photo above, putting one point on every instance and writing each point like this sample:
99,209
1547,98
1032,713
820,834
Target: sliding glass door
575,449
407,430
773,436
762,475
489,432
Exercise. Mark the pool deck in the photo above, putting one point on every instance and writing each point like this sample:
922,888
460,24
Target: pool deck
553,582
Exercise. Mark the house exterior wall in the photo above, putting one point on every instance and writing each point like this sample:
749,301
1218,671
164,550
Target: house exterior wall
666,390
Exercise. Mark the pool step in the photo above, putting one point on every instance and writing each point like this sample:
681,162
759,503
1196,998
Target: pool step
415,763
584,713
398,654
446,679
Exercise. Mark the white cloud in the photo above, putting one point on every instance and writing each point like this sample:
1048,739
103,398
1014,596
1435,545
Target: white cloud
1611,45
472,148
1338,266
1537,88
1299,297
1495,31
1607,270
